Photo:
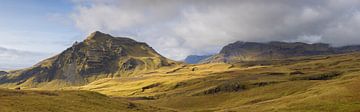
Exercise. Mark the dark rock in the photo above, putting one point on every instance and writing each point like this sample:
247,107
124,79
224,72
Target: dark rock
150,86
231,86
131,105
296,73
194,69
17,88
321,76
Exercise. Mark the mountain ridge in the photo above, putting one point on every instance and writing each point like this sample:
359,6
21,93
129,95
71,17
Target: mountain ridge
194,59
254,51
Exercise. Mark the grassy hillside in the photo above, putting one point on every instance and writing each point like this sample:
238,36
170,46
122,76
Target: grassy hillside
318,83
65,101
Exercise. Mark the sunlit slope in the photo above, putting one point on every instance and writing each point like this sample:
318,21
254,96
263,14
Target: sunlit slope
161,82
65,101
98,56
318,83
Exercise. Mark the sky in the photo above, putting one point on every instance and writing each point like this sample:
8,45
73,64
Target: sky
32,30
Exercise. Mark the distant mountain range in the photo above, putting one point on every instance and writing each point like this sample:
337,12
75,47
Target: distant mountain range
193,59
253,51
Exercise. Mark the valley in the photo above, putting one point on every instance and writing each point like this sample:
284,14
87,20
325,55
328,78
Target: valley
320,83
315,83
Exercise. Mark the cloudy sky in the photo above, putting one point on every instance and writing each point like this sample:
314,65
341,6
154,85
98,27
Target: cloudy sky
31,30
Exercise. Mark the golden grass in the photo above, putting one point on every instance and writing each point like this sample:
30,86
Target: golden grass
65,101
274,86
316,83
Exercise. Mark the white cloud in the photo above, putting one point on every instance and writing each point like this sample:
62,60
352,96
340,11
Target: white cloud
309,39
179,28
14,59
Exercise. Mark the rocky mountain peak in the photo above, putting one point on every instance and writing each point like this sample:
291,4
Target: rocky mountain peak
99,39
100,55
97,35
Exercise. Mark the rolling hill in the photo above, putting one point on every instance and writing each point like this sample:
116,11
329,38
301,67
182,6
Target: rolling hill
317,83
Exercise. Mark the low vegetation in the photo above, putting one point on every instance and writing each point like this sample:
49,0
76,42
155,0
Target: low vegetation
65,101
316,83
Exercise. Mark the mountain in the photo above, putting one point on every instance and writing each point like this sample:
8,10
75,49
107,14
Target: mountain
98,56
3,73
254,51
193,59
281,77
346,49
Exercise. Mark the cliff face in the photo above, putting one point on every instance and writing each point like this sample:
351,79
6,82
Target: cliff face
98,56
252,51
